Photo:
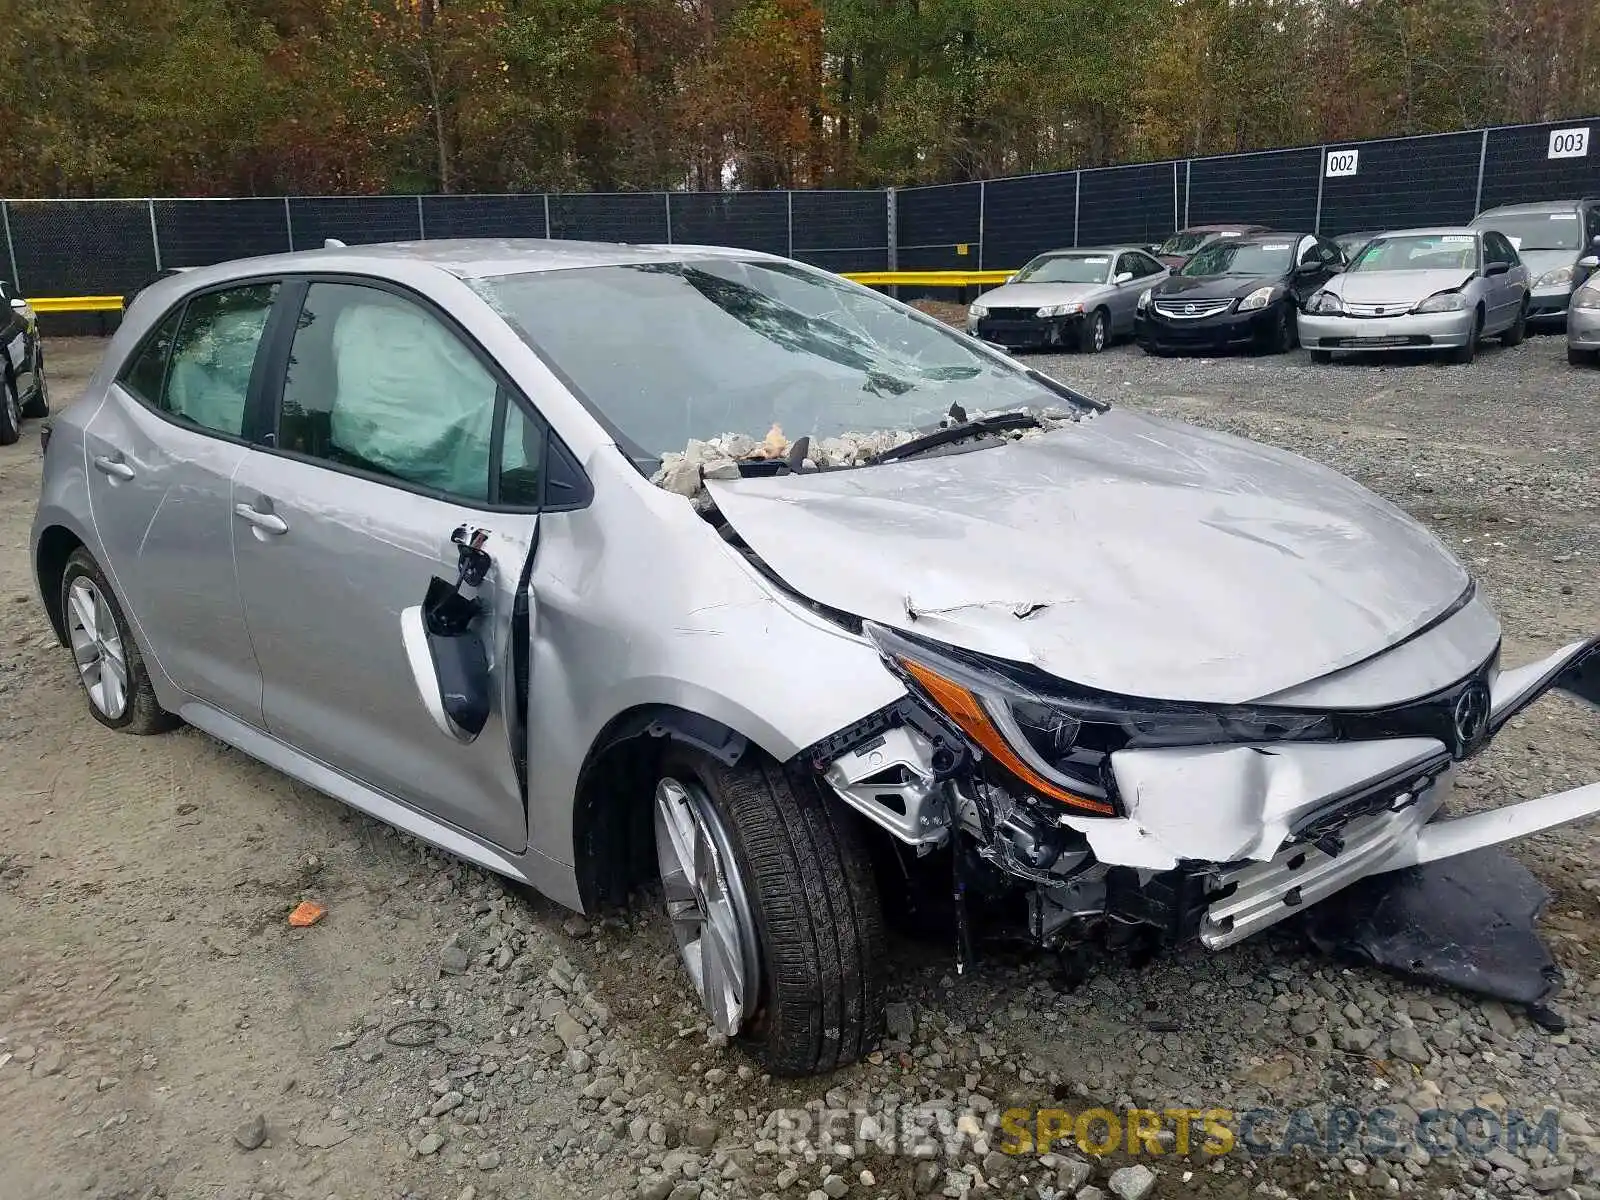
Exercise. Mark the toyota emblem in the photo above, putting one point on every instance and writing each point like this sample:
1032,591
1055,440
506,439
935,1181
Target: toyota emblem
1471,715
1188,308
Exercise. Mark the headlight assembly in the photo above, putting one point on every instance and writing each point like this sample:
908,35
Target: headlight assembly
1560,277
1056,739
978,311
1144,298
1257,299
1325,302
1442,302
1060,310
1588,296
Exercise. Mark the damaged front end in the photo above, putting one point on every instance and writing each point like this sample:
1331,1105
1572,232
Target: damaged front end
1107,813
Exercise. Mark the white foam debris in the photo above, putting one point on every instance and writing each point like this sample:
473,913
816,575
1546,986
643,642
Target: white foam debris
684,473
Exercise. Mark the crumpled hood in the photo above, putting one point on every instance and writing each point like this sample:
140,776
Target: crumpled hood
1037,295
1400,288
1212,287
1126,553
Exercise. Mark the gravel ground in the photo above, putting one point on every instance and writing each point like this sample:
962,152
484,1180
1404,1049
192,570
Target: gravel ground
164,1033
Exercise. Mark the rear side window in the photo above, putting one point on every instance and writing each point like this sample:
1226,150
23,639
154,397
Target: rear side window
196,368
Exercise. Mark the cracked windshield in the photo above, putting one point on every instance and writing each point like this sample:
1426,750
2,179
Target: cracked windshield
750,352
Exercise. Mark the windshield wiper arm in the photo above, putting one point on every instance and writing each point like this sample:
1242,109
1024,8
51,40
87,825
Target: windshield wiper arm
959,431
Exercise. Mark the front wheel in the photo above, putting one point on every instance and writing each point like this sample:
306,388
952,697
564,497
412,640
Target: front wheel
1467,353
1280,337
10,412
1519,328
1095,332
770,891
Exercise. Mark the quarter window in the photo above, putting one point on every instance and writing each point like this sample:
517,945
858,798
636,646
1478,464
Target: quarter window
197,368
378,384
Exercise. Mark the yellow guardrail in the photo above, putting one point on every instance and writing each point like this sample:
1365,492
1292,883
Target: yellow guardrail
928,278
66,304
955,279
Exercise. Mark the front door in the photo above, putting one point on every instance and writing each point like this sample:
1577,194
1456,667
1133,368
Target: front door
162,451
383,450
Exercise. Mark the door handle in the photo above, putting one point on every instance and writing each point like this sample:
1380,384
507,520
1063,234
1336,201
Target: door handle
113,466
266,522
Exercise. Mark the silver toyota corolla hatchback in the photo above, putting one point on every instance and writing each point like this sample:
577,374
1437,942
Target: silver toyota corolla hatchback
601,564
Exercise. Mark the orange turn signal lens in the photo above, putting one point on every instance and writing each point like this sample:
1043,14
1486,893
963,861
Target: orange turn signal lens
962,707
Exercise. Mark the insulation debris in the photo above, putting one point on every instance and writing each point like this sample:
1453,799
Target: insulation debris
685,473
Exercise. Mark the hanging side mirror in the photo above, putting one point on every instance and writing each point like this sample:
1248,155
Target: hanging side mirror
449,662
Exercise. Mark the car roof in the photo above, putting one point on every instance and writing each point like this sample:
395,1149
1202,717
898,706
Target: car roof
1118,248
1532,206
1431,231
1222,228
475,258
1269,235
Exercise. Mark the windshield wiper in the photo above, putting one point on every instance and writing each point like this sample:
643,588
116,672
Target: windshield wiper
959,431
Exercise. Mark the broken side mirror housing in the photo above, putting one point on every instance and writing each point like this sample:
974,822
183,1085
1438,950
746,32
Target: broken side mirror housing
1497,268
18,302
1588,262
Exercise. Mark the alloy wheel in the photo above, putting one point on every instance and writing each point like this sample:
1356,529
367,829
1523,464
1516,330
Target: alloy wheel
707,903
97,648
1099,332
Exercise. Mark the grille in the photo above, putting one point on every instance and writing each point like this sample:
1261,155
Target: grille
1394,309
1192,309
1014,314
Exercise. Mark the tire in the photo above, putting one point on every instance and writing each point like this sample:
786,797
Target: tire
1467,353
139,713
38,404
1094,335
1322,356
1281,339
812,901
10,412
1519,328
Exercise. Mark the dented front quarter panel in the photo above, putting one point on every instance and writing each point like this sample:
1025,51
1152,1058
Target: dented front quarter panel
637,601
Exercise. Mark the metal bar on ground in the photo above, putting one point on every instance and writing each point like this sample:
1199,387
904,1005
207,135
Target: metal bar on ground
67,304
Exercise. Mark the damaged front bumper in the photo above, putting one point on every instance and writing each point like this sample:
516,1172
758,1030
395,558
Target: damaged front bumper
1212,842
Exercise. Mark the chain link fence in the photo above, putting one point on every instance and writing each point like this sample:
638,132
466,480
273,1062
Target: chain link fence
108,247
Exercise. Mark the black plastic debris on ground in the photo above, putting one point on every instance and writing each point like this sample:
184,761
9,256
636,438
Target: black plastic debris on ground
1467,922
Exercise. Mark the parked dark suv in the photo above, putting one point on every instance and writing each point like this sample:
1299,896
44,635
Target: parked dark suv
1244,291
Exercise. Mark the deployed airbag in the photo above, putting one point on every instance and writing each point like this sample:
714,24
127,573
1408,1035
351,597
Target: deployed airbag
411,399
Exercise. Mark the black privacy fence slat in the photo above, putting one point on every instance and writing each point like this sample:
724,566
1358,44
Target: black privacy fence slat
1278,188
354,220
107,247
616,217
1409,182
483,216
197,233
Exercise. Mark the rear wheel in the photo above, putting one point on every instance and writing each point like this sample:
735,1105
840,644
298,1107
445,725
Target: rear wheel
38,404
1519,328
1322,356
110,667
770,891
1095,332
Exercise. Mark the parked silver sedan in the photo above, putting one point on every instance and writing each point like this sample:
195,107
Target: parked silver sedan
606,565
1080,298
1421,289
1583,323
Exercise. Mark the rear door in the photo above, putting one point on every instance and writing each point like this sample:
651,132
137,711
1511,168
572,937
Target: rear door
162,451
394,431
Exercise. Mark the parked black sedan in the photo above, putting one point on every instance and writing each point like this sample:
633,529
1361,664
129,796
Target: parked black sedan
1244,291
23,390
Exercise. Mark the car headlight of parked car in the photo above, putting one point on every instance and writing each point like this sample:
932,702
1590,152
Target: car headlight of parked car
1560,277
1060,310
1325,302
1588,296
978,311
1057,739
1144,299
1441,302
1257,299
